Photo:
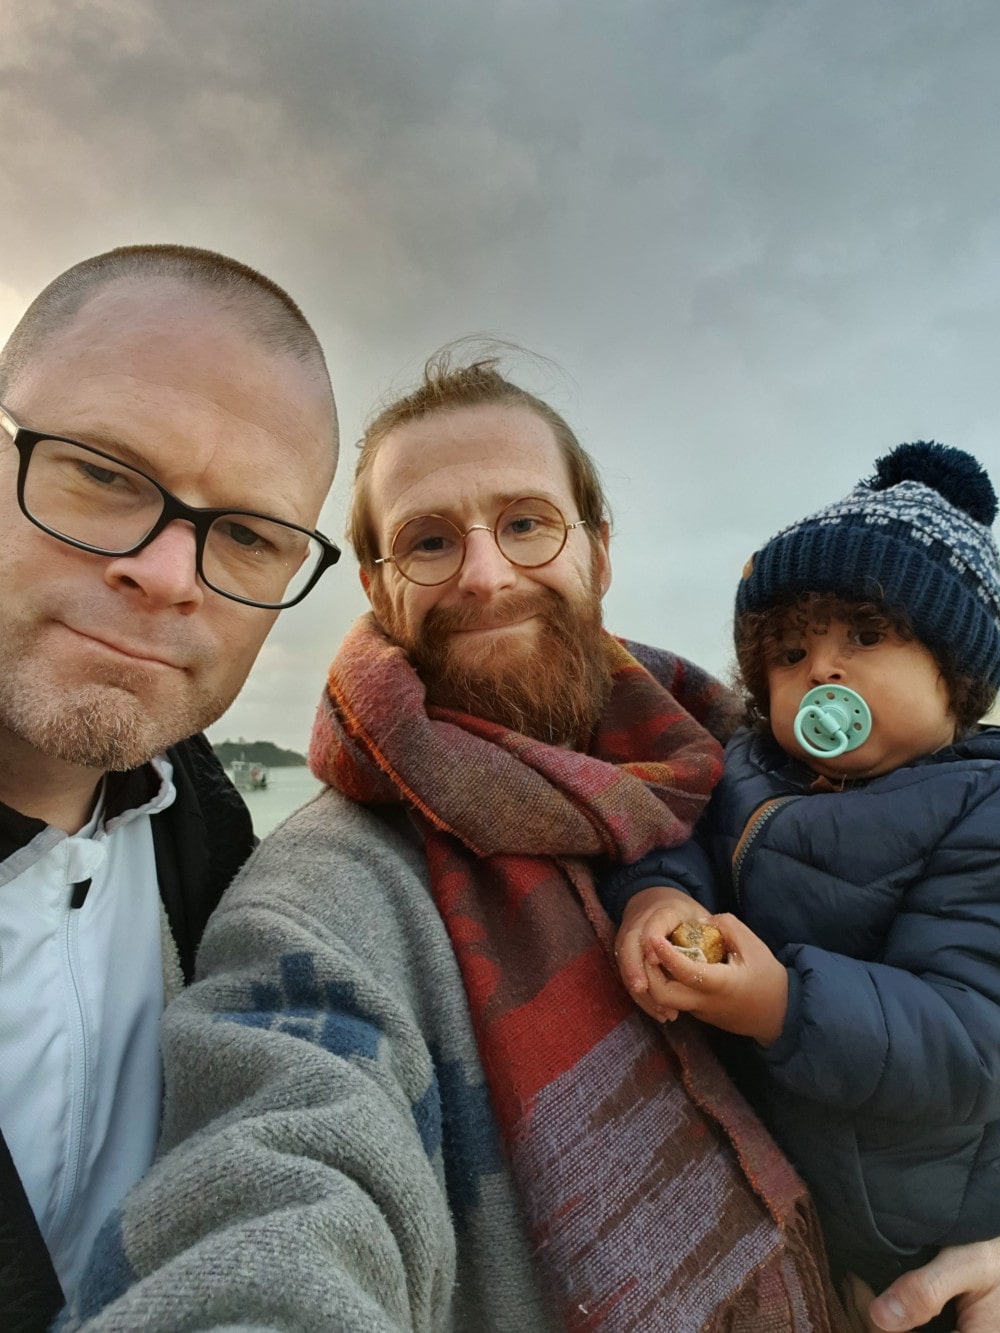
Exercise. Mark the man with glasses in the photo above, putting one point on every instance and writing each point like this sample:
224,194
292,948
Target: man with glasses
408,1091
167,437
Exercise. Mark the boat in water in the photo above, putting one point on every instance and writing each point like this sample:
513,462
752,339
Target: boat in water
248,776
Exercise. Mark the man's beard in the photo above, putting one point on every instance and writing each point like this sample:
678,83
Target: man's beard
101,723
553,689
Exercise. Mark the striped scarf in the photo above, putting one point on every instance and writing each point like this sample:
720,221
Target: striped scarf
654,1197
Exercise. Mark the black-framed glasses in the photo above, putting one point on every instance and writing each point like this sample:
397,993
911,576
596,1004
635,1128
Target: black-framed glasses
430,549
95,502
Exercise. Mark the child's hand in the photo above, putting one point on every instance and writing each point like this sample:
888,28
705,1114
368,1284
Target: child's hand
747,994
649,918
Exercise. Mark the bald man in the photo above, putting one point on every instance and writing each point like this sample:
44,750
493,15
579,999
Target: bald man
167,437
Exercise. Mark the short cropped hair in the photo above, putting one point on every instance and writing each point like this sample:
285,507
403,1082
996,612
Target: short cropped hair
446,386
274,319
758,636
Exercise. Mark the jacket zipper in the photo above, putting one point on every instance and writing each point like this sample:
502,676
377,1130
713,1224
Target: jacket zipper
749,835
79,1075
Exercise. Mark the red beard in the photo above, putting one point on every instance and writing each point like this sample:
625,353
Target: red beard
551,688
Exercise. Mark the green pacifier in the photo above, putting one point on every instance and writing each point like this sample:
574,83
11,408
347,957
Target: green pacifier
832,719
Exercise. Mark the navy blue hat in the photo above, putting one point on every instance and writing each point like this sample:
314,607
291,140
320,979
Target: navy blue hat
915,536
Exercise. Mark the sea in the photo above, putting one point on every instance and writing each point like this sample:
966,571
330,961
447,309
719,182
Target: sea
286,790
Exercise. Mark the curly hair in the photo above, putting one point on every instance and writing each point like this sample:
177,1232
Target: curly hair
759,635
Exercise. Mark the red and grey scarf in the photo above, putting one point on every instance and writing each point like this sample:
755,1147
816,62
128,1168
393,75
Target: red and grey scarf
655,1198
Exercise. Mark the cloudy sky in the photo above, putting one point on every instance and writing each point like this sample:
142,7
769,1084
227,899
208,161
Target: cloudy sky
758,240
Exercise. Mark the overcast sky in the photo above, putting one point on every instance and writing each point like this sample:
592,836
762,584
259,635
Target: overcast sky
758,239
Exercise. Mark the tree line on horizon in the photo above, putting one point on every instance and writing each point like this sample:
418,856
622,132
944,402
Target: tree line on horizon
258,752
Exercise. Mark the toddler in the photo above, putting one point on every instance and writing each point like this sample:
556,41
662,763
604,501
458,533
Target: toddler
852,848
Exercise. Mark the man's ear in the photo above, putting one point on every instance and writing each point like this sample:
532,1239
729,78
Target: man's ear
603,563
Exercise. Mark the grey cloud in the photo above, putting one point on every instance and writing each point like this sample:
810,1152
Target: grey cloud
759,236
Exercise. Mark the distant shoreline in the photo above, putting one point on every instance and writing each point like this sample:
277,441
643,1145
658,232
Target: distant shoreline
258,752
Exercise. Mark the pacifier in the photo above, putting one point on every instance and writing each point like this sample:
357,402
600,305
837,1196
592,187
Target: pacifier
831,720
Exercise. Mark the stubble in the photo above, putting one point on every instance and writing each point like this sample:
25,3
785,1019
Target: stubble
103,722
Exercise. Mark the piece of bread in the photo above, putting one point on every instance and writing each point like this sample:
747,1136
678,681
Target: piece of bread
700,941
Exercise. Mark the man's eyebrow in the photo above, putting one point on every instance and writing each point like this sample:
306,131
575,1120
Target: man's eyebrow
112,443
109,442
497,505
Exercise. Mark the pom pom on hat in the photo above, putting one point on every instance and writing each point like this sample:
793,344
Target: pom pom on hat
953,473
913,537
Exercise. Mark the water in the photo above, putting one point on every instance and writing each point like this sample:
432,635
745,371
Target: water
286,790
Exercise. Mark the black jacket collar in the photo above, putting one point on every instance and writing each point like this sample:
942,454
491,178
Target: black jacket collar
122,791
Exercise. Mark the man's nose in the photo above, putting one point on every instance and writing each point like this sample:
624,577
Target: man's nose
164,573
485,570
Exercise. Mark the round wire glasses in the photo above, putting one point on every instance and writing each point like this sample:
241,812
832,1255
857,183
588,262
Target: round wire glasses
430,549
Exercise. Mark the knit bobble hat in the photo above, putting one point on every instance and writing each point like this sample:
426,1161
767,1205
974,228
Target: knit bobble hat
916,537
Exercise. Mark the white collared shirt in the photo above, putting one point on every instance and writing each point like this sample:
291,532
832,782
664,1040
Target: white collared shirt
81,994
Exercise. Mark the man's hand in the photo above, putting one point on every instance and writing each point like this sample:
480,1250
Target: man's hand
747,994
970,1274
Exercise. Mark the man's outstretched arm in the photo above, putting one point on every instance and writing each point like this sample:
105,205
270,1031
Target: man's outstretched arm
303,1186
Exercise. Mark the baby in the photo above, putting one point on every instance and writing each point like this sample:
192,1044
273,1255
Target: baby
853,849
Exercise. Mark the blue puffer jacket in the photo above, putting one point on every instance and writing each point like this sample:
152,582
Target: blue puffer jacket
883,901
